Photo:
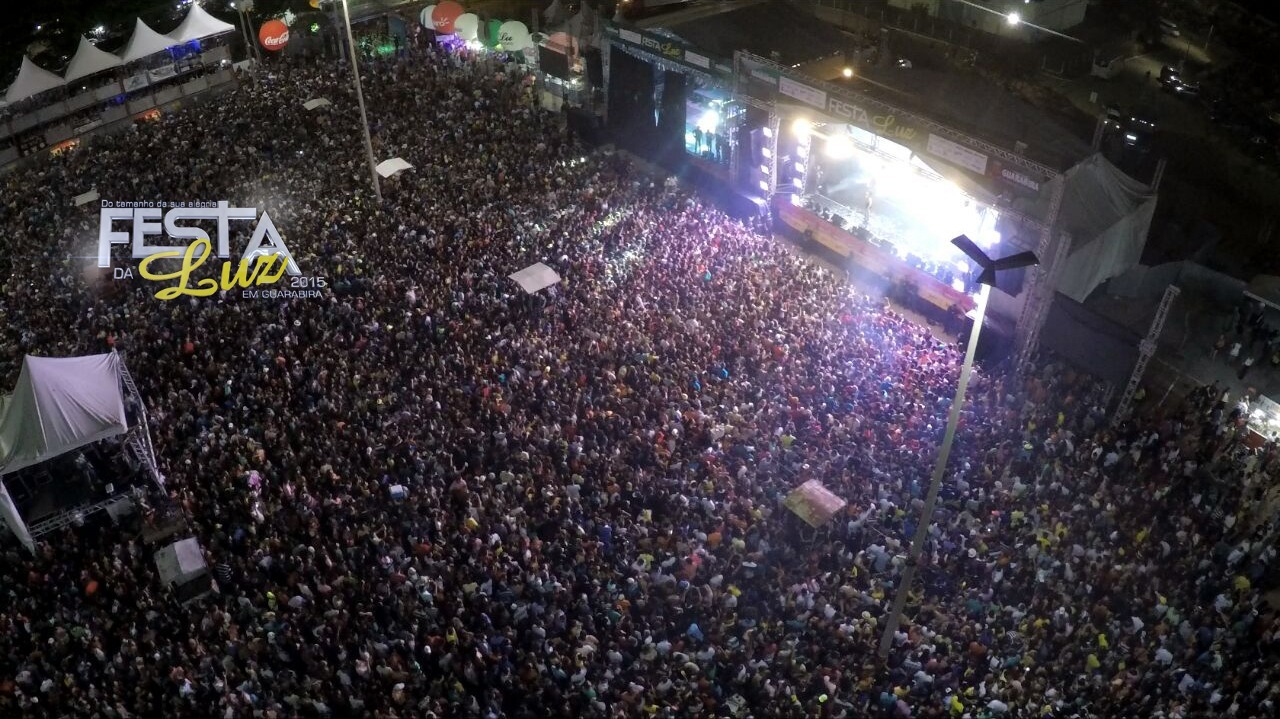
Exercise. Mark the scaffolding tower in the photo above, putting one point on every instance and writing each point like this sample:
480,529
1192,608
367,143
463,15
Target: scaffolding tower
1146,350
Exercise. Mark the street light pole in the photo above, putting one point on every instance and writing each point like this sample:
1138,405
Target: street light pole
364,117
986,278
935,483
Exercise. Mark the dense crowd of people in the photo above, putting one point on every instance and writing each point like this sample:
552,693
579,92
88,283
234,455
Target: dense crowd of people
427,494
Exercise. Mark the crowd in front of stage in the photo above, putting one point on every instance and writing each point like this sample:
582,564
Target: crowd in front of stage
427,494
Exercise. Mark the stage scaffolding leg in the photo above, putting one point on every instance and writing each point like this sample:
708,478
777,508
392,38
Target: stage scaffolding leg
1039,291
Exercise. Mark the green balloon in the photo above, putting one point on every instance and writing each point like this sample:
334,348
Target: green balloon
490,38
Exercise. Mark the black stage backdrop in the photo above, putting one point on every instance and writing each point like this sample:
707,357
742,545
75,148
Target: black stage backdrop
631,103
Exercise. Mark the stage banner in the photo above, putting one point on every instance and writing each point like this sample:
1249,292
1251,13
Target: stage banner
957,154
874,259
1016,178
163,72
136,82
803,93
666,49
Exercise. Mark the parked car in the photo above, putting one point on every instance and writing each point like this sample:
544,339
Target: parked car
1113,118
1142,121
1182,88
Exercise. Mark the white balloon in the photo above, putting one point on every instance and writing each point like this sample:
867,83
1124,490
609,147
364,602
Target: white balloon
467,26
513,36
425,17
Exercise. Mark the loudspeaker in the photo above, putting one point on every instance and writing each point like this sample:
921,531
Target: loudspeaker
553,63
595,67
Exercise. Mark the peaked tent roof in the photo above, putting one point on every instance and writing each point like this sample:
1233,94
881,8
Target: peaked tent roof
144,42
32,80
198,24
60,403
89,60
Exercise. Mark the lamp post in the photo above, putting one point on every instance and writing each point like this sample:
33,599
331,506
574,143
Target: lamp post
985,280
364,117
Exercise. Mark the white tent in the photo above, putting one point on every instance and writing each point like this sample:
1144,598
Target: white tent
535,278
13,520
180,562
387,168
60,403
144,42
32,80
1108,215
88,61
199,24
316,103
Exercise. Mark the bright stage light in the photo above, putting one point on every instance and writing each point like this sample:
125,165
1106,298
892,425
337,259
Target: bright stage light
802,127
709,121
800,167
768,131
847,72
1013,18
765,169
839,146
764,185
766,152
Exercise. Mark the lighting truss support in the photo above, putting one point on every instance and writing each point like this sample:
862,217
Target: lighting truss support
1146,350
1043,281
138,439
1008,156
775,126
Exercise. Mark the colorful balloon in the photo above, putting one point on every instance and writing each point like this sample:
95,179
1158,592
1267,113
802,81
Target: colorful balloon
513,36
445,15
273,35
467,26
425,17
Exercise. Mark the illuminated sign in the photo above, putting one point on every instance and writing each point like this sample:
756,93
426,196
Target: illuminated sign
265,261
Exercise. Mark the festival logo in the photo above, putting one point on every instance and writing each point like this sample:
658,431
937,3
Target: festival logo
265,261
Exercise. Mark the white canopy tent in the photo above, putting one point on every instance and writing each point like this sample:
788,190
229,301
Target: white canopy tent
535,278
144,42
89,60
60,404
395,165
319,102
199,24
32,80
1108,215
180,562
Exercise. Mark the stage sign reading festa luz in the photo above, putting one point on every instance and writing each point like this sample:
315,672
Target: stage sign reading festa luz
266,259
885,124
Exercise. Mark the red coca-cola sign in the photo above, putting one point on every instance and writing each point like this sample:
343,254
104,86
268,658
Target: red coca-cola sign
273,35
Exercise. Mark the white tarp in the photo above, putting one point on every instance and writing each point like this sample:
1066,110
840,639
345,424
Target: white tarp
9,513
535,278
144,42
180,562
814,503
199,24
86,198
60,403
1108,215
313,104
89,60
32,80
387,168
